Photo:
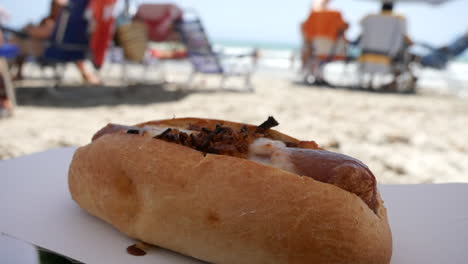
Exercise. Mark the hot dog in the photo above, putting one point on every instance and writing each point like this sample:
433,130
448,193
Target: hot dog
228,192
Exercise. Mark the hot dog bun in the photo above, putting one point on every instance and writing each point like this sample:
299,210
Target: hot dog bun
223,209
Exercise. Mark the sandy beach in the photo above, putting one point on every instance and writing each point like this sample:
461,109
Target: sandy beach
418,138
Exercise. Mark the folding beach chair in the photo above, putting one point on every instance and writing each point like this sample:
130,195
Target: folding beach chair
138,37
323,32
439,57
436,62
69,41
161,21
384,53
205,60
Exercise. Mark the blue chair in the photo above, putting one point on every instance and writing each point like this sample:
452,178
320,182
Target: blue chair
69,41
8,51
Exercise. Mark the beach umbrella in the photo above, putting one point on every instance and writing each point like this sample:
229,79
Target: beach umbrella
432,2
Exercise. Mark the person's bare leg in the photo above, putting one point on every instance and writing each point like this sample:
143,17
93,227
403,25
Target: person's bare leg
6,108
87,75
19,62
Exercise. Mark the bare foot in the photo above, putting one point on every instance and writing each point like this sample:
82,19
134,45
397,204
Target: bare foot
92,78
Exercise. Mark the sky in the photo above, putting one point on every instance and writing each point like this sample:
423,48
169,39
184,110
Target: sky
277,21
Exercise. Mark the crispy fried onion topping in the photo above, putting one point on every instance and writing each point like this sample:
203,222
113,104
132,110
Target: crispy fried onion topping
222,140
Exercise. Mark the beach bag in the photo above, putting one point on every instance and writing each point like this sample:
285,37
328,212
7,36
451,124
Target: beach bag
133,38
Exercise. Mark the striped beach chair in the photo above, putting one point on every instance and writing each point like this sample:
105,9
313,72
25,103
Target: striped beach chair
205,60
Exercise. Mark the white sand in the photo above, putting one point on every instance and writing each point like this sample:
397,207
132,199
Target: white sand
402,138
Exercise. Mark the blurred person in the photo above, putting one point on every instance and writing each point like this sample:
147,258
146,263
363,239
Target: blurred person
3,17
384,43
5,104
323,39
439,57
35,44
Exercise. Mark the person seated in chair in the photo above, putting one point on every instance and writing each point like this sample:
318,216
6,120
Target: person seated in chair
384,42
34,44
323,39
439,57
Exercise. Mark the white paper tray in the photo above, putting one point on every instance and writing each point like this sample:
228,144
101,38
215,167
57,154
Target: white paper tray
429,222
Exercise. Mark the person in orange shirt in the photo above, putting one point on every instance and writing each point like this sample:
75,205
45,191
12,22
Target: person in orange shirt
323,39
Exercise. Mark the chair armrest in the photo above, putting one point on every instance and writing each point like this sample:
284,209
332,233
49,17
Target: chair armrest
18,33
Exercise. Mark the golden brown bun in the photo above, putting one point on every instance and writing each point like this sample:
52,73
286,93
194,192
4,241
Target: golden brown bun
223,209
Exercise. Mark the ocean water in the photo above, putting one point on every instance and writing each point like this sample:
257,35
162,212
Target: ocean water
463,58
286,58
273,55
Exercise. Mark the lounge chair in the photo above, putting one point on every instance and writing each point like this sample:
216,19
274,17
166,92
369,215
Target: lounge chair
439,57
69,41
205,60
384,53
152,23
324,32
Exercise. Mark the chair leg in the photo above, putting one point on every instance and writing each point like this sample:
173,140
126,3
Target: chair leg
160,70
248,82
10,92
222,81
189,81
311,71
144,73
163,73
371,85
58,73
124,76
360,80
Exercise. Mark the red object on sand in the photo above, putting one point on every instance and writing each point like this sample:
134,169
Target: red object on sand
102,28
159,18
